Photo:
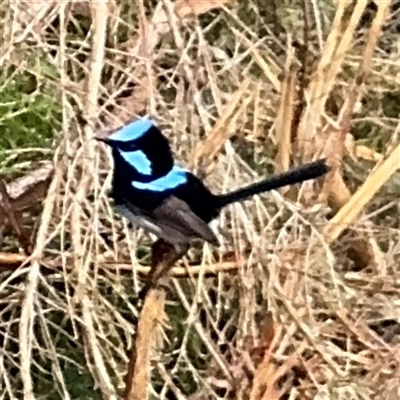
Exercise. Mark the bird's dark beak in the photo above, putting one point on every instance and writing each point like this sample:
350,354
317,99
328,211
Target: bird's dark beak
102,138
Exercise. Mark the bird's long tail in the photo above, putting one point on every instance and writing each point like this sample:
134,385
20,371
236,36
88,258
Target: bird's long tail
304,173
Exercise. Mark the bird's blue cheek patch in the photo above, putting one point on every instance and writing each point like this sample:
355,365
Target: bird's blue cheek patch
134,130
176,177
138,160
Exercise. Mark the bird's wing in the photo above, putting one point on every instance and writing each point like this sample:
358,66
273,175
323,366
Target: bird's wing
177,215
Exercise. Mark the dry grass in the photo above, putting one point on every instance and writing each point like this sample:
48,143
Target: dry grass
297,304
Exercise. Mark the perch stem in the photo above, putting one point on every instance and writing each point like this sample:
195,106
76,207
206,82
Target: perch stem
138,376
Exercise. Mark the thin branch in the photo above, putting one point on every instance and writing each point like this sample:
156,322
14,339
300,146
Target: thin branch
11,261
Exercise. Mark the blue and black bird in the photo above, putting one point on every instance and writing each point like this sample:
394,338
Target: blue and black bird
153,192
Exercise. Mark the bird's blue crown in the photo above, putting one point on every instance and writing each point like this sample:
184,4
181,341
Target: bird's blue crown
132,131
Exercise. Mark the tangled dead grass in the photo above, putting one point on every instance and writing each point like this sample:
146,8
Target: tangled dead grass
297,304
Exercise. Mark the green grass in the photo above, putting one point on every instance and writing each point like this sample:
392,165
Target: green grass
30,118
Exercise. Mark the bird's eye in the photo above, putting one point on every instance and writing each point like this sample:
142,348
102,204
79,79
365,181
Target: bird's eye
132,147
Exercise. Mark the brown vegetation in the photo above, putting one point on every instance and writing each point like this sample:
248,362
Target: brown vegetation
302,301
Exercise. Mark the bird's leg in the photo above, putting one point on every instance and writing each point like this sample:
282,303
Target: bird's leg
164,256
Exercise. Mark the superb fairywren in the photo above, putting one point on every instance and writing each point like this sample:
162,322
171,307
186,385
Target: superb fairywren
155,193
